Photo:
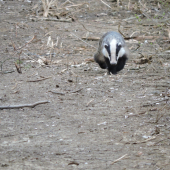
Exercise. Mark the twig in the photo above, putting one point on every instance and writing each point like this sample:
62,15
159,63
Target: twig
16,65
84,41
18,68
38,79
144,141
118,3
152,104
59,20
73,163
89,102
65,3
143,5
134,33
121,31
119,159
14,86
19,71
141,37
158,142
105,4
16,29
129,6
23,46
46,6
6,72
91,38
52,19
24,105
145,37
80,23
138,46
159,117
26,43
60,93
76,5
76,91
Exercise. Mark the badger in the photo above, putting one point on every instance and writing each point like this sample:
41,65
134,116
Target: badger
112,52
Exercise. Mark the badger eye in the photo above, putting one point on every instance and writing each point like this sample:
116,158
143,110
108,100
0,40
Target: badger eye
106,46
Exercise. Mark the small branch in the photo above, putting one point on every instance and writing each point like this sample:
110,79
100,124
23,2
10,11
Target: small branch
121,31
144,141
38,79
75,19
118,3
119,159
76,5
76,91
60,93
158,142
105,4
91,38
139,38
23,46
24,105
73,163
89,102
146,38
159,117
143,5
52,19
84,41
16,29
18,68
65,3
26,43
6,72
152,104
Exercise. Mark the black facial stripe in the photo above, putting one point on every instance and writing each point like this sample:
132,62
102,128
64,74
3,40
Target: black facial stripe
108,49
118,47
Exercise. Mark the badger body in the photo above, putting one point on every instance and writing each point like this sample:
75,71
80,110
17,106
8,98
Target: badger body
112,52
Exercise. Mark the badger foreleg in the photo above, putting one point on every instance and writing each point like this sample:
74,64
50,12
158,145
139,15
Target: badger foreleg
99,58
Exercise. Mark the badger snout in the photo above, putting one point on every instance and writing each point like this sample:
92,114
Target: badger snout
113,64
113,60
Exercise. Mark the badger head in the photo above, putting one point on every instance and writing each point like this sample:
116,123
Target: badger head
113,51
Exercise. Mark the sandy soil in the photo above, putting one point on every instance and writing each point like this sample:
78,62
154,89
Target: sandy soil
92,119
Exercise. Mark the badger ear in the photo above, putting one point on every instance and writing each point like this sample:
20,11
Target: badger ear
106,46
119,44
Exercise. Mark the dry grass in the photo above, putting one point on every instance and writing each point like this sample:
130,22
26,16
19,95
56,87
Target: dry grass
47,4
54,8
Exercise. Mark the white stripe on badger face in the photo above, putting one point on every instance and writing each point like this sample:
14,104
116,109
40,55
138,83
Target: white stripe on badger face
121,53
113,59
112,46
105,53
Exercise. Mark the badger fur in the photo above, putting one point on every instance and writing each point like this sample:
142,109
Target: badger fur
112,52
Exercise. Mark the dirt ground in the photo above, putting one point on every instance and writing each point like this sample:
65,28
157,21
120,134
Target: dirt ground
92,120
